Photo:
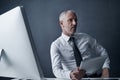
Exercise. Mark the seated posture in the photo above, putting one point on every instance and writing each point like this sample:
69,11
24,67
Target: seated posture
71,48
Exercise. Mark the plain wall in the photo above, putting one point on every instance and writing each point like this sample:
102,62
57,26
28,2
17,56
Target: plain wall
99,18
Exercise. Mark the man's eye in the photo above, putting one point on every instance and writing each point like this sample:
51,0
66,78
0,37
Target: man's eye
70,20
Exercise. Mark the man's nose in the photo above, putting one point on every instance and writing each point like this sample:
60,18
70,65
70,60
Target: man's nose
74,22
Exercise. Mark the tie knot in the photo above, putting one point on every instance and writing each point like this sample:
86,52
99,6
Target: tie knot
71,41
72,38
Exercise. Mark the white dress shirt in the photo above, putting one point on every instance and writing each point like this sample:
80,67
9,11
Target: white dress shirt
62,55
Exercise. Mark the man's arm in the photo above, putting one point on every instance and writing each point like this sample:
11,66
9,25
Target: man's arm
105,73
56,63
102,52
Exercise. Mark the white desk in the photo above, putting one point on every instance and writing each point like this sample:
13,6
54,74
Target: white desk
83,79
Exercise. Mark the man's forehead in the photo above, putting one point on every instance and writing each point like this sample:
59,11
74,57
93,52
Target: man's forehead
70,14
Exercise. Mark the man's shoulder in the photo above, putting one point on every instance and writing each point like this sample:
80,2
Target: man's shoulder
57,41
81,35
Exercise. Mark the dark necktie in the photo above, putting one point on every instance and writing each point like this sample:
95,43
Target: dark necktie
77,53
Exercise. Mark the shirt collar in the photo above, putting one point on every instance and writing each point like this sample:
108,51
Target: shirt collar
65,37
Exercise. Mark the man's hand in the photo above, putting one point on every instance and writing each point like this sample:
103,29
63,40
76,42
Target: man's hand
105,73
77,74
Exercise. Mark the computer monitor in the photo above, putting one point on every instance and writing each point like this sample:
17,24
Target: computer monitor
17,58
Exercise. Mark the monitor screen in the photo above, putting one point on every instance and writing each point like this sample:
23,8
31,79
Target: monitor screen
17,57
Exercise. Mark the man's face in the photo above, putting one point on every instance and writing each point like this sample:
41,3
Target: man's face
69,23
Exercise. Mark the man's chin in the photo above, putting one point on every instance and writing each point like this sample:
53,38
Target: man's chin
72,33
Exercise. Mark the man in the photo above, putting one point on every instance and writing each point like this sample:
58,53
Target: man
62,53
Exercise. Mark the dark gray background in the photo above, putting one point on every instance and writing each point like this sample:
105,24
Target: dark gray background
99,18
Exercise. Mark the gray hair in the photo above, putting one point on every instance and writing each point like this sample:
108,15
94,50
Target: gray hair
62,15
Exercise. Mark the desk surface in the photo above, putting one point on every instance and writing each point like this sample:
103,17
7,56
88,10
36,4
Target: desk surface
84,79
9,78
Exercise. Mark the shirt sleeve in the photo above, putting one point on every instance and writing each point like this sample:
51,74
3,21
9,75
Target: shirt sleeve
101,51
56,63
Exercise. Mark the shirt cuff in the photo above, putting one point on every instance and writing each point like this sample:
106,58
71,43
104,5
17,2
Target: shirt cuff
105,66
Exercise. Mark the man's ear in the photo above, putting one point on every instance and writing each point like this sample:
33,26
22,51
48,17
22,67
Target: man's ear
61,23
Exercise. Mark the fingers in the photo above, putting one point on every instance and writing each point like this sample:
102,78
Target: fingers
77,74
74,74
